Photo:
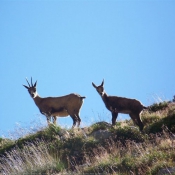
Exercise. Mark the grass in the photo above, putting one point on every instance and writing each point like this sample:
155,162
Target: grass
158,106
33,157
126,151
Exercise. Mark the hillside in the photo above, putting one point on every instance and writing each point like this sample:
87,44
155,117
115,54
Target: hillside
98,148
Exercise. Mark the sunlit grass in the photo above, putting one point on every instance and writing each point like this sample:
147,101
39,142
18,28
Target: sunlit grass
54,150
33,157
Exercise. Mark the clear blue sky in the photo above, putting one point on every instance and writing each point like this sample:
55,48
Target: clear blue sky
66,45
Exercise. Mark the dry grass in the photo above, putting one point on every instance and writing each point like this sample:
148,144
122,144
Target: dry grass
127,151
33,157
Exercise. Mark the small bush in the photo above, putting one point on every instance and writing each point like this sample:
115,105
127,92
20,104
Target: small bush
129,133
100,126
158,106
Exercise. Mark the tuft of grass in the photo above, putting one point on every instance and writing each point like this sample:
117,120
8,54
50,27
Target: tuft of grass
168,121
4,143
149,118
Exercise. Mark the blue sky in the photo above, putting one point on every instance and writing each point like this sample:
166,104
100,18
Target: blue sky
66,45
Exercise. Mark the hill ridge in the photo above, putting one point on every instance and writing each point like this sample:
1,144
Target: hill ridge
99,148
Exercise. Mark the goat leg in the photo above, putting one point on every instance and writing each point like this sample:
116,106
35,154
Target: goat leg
54,120
78,120
114,117
74,121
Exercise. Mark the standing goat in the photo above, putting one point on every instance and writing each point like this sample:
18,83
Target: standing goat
57,106
121,105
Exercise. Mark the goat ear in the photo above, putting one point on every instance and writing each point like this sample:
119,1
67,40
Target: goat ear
35,84
102,83
94,85
26,87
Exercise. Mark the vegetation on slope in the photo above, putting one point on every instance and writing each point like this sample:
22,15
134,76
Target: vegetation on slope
99,148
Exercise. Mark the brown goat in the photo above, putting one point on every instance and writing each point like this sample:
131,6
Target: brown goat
121,105
57,106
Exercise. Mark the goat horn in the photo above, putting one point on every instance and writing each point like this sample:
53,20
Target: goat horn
35,84
94,85
31,82
27,82
102,83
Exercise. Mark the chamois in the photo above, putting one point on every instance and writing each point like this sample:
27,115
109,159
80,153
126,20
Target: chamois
57,106
123,105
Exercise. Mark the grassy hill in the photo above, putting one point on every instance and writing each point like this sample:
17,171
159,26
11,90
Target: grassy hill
98,148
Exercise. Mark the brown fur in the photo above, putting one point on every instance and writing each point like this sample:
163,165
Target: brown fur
123,105
57,106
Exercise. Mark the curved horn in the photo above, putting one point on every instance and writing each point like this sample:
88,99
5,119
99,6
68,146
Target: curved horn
27,82
94,85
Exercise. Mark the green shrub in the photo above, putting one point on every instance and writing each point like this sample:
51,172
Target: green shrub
129,133
6,145
158,126
158,106
99,126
